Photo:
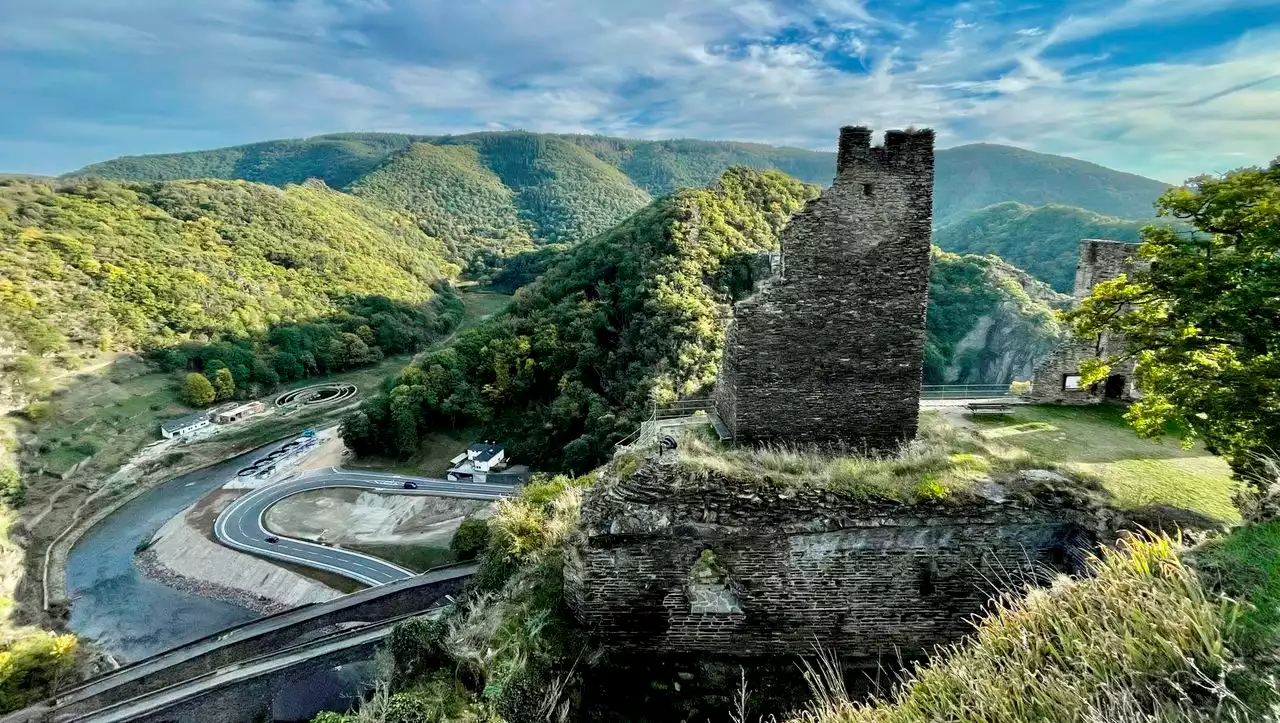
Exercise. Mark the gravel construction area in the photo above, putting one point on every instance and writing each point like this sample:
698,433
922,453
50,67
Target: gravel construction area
351,516
184,555
149,564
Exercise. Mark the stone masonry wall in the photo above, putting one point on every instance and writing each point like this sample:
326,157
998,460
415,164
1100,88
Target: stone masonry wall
1099,261
670,562
830,351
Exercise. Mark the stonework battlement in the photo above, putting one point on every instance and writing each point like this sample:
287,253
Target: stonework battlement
830,351
901,148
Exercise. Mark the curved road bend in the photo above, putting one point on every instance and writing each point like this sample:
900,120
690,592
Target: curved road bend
240,526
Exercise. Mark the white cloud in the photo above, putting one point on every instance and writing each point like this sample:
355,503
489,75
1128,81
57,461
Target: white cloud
252,69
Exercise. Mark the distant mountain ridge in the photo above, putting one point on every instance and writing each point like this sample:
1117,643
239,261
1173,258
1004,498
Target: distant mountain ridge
1040,240
969,177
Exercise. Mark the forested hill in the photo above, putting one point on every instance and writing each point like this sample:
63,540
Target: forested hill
121,265
639,312
975,176
1041,240
565,186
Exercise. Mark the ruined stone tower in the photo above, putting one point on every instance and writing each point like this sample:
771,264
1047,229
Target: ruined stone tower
1057,378
830,351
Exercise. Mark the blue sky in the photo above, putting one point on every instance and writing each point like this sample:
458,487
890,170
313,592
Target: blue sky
1166,88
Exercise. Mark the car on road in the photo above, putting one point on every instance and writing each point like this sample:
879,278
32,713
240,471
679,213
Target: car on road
272,539
411,485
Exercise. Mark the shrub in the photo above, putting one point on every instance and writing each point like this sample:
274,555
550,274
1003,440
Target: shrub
197,390
416,649
31,666
38,411
471,539
12,490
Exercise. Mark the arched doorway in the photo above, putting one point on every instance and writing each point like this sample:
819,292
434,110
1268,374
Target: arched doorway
1115,387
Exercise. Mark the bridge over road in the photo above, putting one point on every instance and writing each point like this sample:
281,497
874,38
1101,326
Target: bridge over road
243,692
255,638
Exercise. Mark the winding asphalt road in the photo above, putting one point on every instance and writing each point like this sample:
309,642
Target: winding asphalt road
240,526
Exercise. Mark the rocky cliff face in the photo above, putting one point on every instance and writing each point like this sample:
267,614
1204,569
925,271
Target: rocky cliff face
991,322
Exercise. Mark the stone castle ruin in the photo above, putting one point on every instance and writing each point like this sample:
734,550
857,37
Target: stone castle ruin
830,350
1057,378
673,563
703,564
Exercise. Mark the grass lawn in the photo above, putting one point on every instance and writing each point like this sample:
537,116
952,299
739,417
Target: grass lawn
1246,565
1137,472
418,558
481,305
431,459
107,413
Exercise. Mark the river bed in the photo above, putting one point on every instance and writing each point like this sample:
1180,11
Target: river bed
129,615
133,617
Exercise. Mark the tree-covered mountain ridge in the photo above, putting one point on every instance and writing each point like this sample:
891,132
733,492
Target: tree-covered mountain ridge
1043,240
567,187
637,315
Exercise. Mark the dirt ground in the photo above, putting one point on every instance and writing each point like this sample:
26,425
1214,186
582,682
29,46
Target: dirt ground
350,516
330,453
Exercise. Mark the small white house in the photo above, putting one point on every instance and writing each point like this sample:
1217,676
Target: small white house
184,426
477,462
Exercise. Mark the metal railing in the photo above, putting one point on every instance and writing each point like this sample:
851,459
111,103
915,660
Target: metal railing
965,391
666,416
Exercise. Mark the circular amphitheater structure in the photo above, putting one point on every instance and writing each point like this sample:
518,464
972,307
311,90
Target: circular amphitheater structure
317,395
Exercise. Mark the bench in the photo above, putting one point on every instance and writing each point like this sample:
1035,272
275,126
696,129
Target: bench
990,408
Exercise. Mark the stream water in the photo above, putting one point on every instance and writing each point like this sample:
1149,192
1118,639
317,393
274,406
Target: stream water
133,617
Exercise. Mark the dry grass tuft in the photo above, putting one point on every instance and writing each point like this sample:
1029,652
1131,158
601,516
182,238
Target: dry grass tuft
943,461
1139,641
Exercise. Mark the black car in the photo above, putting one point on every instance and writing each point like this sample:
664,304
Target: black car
272,539
411,485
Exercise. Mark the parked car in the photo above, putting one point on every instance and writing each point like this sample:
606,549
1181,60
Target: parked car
411,485
272,539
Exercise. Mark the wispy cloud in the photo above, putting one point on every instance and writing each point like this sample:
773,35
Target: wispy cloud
96,78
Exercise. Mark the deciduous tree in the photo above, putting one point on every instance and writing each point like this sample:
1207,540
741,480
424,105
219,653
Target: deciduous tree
197,391
224,384
1203,323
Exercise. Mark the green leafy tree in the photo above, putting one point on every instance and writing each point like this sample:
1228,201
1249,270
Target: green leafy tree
32,665
1203,322
224,384
471,539
12,490
197,391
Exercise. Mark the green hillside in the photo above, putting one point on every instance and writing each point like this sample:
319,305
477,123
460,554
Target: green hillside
119,265
988,322
454,197
661,167
1042,240
975,176
563,190
568,185
338,160
639,312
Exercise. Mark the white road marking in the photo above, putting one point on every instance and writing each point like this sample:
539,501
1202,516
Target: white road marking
343,562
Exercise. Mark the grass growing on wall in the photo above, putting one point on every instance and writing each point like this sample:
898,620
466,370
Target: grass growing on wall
943,462
1141,640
